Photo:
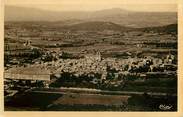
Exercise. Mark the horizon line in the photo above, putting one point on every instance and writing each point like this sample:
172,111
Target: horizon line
96,10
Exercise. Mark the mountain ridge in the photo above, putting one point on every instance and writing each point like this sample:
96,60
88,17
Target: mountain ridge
115,15
97,26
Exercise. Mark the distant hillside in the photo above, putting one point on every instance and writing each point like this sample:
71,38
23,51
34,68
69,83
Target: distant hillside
170,29
115,15
13,13
97,26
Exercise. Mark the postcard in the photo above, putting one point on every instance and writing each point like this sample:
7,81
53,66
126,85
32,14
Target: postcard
91,58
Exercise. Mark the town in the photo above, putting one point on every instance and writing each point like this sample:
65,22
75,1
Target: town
42,59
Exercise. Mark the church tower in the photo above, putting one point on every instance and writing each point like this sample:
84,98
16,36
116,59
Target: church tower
99,56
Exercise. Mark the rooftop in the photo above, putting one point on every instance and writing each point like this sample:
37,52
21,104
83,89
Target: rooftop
29,70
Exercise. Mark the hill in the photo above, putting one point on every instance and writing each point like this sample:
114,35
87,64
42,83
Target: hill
169,29
97,26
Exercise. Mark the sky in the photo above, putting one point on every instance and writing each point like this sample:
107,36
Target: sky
94,5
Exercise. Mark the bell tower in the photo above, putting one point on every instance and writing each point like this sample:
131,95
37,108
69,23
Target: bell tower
99,56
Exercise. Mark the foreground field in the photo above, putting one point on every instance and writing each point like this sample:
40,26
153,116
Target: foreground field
50,100
43,101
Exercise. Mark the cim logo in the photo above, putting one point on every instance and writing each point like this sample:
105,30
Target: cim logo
165,107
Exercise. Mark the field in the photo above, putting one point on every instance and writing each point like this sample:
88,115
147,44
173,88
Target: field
80,101
51,101
110,42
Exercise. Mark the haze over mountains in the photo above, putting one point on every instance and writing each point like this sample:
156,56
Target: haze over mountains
115,15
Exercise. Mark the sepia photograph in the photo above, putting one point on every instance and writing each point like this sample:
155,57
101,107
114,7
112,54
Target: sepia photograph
89,55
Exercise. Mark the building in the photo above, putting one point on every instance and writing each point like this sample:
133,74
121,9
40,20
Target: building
94,57
27,73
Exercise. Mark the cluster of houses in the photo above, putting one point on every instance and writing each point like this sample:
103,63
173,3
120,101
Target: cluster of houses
92,64
96,64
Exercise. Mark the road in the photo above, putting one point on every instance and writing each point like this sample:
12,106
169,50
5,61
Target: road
64,90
